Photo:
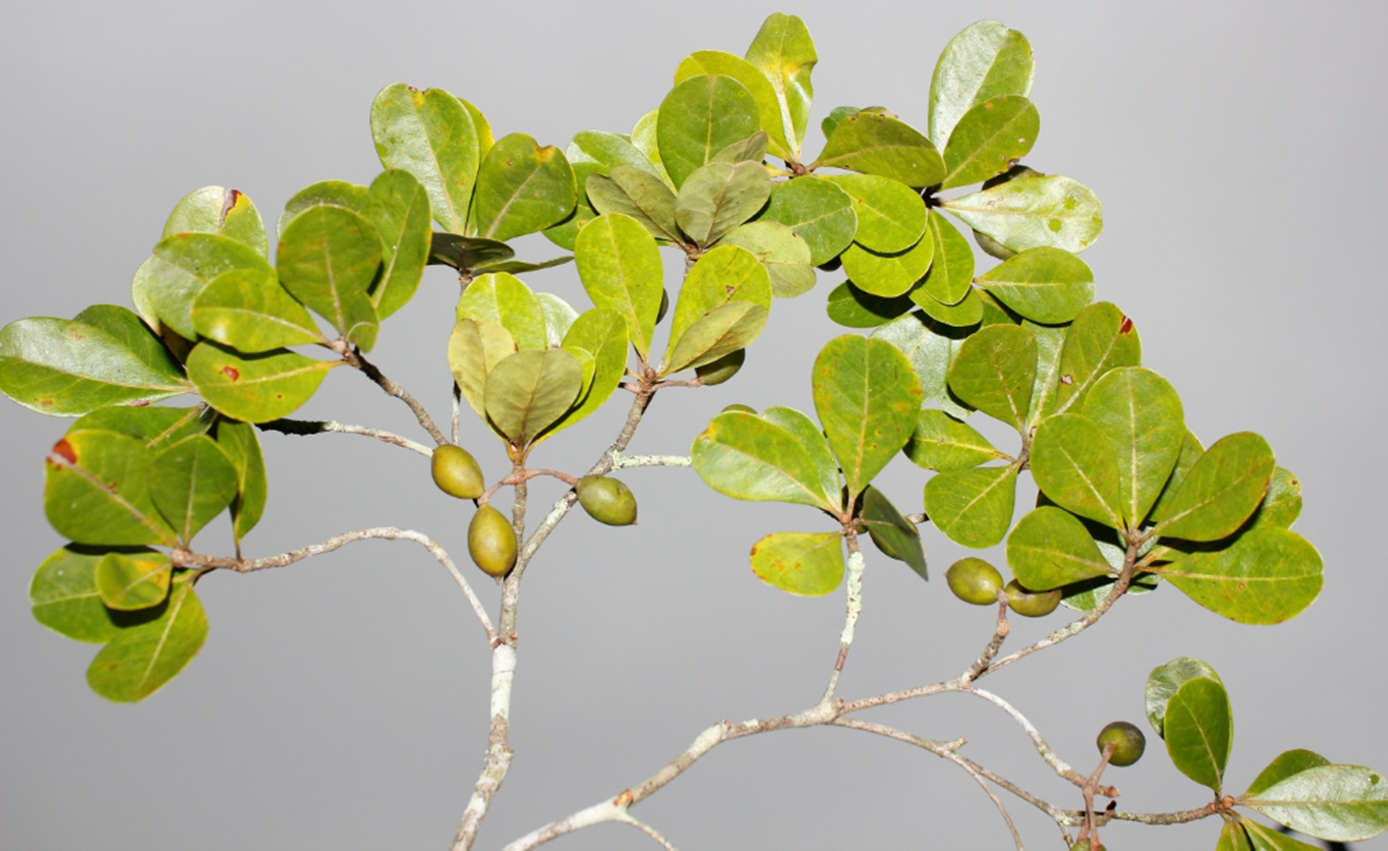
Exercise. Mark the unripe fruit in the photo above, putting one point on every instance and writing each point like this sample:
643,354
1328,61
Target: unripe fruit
974,580
456,472
606,500
722,369
1128,742
491,542
1031,604
737,406
1083,845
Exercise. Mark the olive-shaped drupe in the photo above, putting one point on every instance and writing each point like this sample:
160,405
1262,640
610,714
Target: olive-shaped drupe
456,472
1128,742
1031,604
491,542
974,580
606,500
716,372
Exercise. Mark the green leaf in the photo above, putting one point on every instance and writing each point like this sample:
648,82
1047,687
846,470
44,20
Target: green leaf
892,533
927,344
644,139
68,368
994,372
1233,837
809,564
255,388
1046,285
721,276
943,443
985,61
1285,765
752,149
559,318
716,62
1050,547
328,258
952,268
1268,575
181,266
431,135
873,143
335,193
619,264
969,311
466,252
867,397
216,209
781,252
133,582
96,491
1282,505
1049,341
1199,731
888,275
818,211
972,507
1033,212
637,193
891,217
719,332
242,448
483,128
1140,412
598,152
603,334
398,207
505,299
190,483
718,197
1074,464
1222,489
64,596
527,391
475,347
989,140
248,310
852,308
518,267
1100,339
784,52
700,117
141,659
1265,838
154,427
521,188
1166,679
767,457
1087,595
1340,803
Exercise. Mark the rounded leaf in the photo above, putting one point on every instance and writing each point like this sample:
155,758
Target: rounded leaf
527,391
255,388
139,660
809,564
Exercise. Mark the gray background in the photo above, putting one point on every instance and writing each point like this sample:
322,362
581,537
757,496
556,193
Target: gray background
341,703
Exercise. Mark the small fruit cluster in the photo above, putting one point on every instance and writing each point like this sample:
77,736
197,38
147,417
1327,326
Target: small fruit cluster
975,581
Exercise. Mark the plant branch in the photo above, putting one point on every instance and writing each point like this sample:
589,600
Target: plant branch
856,565
307,427
185,558
621,461
355,359
1042,747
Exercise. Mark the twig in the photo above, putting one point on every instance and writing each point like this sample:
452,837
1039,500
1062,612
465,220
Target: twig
354,358
1042,747
856,565
649,831
1000,633
621,461
184,558
307,427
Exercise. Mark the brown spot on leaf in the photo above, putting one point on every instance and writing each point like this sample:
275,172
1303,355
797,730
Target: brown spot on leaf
232,373
1067,379
64,450
1126,327
987,106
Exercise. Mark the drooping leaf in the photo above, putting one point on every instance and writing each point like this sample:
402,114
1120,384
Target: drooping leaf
520,267
781,252
181,266
637,193
969,311
1164,681
989,140
752,457
718,333
242,447
893,534
927,344
1222,489
972,507
475,347
521,188
503,298
1050,547
1285,765
852,308
255,388
68,368
888,275
984,61
1033,212
1268,575
1340,803
1141,414
398,206
1045,285
527,391
867,397
603,334
722,275
467,252
96,491
891,217
190,483
619,264
248,310
1100,339
431,135
809,564
994,372
139,660
328,258
718,197
700,117
1233,837
64,597
216,209
133,582
335,193
715,62
1074,464
1265,838
942,443
1199,730
784,52
818,211
952,268
872,143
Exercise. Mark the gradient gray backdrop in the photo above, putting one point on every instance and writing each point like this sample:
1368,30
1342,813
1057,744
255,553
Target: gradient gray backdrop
342,703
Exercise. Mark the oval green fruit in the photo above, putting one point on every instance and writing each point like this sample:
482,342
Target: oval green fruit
1031,604
606,500
1128,742
491,542
738,406
1083,845
722,369
456,472
974,580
